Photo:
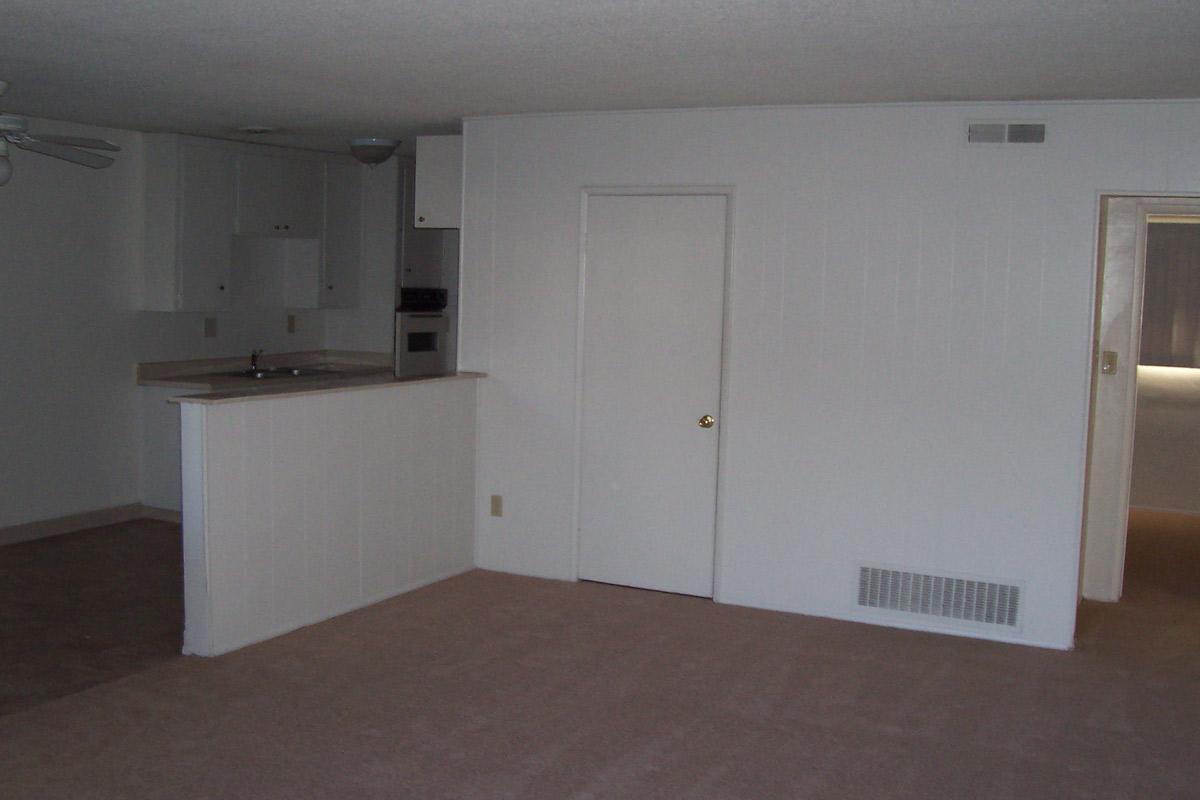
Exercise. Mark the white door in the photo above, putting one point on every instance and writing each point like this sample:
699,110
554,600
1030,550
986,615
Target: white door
654,274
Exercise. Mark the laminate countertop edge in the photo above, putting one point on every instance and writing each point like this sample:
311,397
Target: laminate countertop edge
324,387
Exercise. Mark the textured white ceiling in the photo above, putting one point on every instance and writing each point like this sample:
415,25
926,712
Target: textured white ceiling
326,69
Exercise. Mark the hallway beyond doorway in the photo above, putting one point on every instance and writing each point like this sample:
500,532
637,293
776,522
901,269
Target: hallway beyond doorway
1162,557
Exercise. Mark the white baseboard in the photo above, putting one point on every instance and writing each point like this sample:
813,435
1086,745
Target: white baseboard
45,528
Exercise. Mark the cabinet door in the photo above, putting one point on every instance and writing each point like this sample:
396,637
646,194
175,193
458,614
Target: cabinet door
278,195
342,239
207,198
159,470
420,248
439,182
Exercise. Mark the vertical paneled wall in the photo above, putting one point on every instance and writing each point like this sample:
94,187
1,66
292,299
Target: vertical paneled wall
298,508
908,344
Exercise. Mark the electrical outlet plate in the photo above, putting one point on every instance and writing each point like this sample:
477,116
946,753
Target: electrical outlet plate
497,506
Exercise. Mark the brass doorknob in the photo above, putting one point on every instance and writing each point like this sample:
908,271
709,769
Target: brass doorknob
706,421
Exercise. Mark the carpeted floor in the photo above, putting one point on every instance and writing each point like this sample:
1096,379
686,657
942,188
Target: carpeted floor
86,608
1162,558
490,685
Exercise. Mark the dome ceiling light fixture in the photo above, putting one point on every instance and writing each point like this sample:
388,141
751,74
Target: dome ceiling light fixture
373,150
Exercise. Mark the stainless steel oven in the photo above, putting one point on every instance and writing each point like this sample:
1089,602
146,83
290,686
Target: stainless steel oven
422,333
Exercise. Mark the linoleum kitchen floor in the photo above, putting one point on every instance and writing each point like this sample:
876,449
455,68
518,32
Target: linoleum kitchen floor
489,685
85,608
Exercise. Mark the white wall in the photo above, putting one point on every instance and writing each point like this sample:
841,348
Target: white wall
1166,445
909,341
170,336
368,494
70,333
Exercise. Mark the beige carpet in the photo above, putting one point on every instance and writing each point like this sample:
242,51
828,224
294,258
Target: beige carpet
86,608
490,685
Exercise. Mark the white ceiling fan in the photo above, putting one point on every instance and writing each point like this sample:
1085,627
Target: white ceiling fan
15,131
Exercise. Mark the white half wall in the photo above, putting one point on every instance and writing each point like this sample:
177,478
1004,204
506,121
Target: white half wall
1166,443
909,341
298,508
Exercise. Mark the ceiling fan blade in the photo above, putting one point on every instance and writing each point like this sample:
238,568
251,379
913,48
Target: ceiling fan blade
76,141
64,152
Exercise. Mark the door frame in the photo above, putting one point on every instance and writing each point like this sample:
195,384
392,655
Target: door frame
726,192
1118,292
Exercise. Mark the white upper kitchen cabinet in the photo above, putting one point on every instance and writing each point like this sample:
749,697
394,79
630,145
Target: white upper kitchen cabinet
341,241
279,192
438,201
191,195
200,193
276,271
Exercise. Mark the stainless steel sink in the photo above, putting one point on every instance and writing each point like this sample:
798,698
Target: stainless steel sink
301,372
263,373
254,374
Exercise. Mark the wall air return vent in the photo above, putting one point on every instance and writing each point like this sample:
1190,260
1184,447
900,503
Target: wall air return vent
1006,132
939,596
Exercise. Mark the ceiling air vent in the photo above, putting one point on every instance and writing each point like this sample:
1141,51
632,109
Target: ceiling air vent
1010,132
992,132
1026,133
939,596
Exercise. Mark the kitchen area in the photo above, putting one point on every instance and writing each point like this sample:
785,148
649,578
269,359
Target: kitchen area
309,482
306,293
283,233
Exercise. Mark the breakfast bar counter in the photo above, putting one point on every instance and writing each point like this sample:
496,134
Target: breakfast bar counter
301,502
326,385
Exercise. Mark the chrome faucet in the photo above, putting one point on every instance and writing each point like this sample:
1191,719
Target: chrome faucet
254,354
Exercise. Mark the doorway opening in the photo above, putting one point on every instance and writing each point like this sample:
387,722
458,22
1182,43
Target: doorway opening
1142,502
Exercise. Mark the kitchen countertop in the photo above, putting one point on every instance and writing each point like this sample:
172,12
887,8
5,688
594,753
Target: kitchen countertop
300,386
218,374
216,380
